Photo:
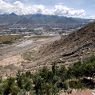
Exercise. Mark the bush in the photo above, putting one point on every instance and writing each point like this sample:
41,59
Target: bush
50,81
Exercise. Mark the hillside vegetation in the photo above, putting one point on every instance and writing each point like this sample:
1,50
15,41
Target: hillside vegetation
51,81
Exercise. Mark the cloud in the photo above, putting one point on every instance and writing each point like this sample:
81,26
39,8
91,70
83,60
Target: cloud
22,9
60,9
92,17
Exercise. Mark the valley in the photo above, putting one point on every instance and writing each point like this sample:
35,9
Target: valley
13,54
47,47
60,59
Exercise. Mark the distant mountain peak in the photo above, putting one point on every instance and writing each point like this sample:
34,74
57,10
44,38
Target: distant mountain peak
12,14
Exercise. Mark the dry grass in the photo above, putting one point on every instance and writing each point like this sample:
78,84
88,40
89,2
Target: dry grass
8,39
40,37
11,60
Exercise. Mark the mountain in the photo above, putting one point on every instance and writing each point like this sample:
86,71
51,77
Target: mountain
51,19
9,18
39,19
76,46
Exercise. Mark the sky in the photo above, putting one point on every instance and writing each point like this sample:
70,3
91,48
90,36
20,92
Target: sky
70,8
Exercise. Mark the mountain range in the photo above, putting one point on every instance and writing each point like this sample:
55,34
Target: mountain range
40,19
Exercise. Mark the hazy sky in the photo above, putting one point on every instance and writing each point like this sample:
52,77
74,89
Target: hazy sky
74,8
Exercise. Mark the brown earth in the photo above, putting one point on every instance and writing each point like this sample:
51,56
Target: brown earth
76,46
69,49
18,55
79,92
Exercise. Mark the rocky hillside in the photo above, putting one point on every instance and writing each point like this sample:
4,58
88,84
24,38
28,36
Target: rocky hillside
76,46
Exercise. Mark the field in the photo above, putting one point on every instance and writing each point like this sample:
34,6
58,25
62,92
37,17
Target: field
8,39
36,37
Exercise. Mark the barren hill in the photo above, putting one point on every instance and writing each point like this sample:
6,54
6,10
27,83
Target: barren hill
76,46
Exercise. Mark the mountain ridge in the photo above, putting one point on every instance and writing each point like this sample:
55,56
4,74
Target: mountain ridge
39,19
